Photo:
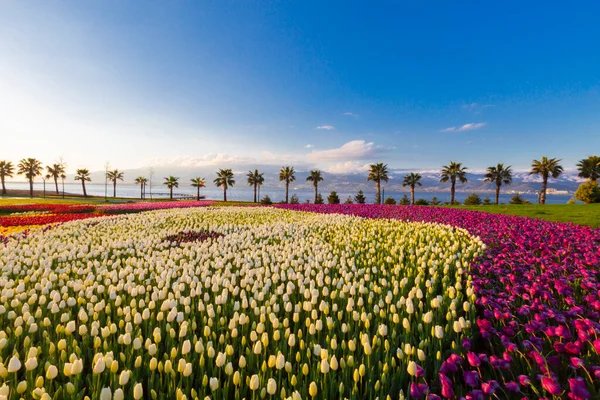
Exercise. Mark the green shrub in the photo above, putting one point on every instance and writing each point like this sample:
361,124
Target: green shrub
319,199
360,198
404,201
333,198
435,201
487,201
348,200
421,202
390,200
473,200
518,199
266,200
294,199
588,192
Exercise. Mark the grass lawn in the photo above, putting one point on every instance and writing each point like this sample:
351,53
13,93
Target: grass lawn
582,214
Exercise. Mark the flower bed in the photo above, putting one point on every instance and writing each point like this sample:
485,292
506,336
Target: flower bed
275,303
44,219
538,297
137,207
53,208
19,218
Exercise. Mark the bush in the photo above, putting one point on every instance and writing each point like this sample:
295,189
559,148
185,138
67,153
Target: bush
518,199
572,200
421,202
333,198
588,192
390,200
487,201
266,200
294,199
473,200
404,201
435,201
360,198
319,199
348,200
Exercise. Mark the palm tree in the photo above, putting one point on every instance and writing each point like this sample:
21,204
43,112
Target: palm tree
198,183
451,173
55,171
255,179
287,174
83,175
589,168
30,167
7,170
260,180
377,173
499,174
412,180
224,180
546,167
315,176
140,180
171,182
114,176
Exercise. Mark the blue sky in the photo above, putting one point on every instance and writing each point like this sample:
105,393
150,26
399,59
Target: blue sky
334,85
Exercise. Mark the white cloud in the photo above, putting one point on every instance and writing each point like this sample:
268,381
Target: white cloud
476,108
350,114
207,160
348,167
354,150
466,127
309,146
326,127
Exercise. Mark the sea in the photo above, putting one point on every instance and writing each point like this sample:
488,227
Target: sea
245,193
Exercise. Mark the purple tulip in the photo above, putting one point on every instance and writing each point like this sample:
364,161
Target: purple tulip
577,362
524,380
551,386
446,383
578,389
415,391
475,395
490,387
473,359
512,387
471,378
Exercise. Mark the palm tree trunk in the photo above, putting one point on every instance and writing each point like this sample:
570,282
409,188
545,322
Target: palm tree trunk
198,194
452,189
115,188
3,186
287,188
412,195
83,186
316,186
378,194
171,193
497,194
255,192
544,187
30,187
56,184
224,193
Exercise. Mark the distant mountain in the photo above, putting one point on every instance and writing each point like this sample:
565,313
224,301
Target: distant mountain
350,182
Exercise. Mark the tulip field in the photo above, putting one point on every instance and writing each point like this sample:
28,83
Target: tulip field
297,301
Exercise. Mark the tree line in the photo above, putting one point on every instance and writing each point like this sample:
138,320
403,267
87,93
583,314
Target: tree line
453,173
